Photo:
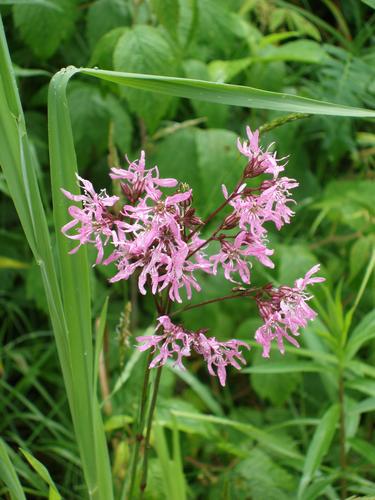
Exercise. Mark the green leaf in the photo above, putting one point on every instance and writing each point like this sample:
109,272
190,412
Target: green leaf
216,115
144,49
267,440
103,16
222,93
43,473
370,3
44,3
266,385
8,474
219,159
305,51
363,448
43,28
99,343
122,123
167,12
319,446
364,332
199,388
102,55
287,366
360,253
225,71
87,105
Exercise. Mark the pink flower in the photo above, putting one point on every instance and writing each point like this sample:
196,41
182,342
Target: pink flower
285,309
259,161
93,220
139,180
176,343
232,258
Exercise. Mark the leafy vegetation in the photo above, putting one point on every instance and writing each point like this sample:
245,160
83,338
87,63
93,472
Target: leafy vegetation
298,426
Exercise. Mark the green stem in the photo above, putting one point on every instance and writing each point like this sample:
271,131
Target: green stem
278,122
139,432
148,431
343,458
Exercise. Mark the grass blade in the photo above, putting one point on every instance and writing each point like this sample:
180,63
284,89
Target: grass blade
8,474
319,446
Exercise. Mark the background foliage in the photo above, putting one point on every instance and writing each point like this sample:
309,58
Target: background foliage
298,426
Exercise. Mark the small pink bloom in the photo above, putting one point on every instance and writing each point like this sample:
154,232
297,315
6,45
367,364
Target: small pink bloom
285,309
93,221
175,343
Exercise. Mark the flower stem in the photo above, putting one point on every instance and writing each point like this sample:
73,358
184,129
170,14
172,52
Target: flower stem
148,431
343,458
247,293
139,432
218,209
278,122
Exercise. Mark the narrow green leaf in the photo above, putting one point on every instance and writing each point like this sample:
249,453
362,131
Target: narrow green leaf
222,93
8,474
43,473
199,388
269,441
364,332
99,343
363,448
319,446
289,367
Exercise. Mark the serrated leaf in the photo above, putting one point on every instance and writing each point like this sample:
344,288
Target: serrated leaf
102,54
90,120
319,446
103,16
217,159
144,49
43,28
167,12
122,123
267,386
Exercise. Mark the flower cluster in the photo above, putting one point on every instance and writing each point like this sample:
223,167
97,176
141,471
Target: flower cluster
176,343
251,209
285,309
153,234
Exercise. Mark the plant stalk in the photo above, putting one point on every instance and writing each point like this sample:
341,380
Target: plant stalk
139,432
343,457
148,431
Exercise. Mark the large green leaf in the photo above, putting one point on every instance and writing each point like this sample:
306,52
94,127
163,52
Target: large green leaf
222,93
42,27
145,49
68,298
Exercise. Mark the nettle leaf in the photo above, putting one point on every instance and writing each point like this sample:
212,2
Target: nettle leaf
180,149
102,55
219,26
43,28
145,49
167,12
103,16
90,120
122,124
219,160
254,476
276,389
